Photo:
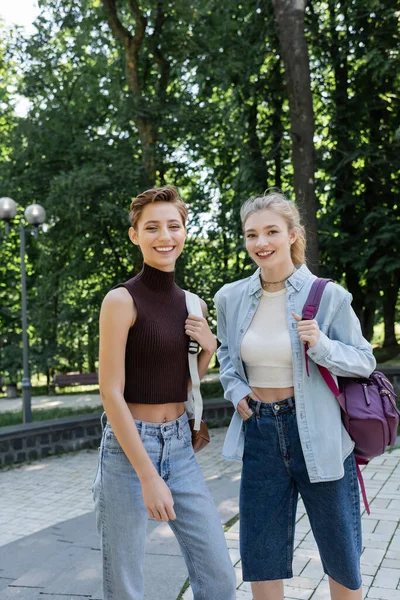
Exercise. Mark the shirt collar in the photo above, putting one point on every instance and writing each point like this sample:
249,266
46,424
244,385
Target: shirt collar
297,280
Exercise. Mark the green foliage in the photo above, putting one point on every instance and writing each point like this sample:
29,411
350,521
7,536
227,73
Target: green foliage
384,355
14,417
355,78
220,129
212,389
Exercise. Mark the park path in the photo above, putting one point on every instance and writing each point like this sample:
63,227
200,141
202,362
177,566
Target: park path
48,503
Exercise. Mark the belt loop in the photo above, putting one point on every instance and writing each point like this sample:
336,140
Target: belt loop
102,421
143,431
290,402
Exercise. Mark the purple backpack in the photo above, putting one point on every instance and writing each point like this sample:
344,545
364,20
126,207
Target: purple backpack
369,411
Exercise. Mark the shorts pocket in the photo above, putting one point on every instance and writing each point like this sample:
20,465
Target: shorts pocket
247,421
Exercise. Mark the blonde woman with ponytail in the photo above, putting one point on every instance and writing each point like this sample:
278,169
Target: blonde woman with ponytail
287,426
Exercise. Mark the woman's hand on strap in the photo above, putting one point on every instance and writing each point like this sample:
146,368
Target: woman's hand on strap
158,499
309,331
198,329
243,407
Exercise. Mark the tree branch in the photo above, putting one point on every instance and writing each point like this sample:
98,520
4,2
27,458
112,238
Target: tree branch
120,32
137,13
141,24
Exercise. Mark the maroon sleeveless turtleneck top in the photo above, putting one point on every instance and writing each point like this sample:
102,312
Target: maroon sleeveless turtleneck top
156,357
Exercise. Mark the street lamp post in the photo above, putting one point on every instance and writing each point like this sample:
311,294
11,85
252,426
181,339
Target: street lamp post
35,215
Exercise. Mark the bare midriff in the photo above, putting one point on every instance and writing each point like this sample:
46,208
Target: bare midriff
273,394
157,413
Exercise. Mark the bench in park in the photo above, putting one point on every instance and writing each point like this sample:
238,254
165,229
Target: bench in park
68,379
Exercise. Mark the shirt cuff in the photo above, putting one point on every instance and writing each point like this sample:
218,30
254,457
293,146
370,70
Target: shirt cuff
240,391
321,349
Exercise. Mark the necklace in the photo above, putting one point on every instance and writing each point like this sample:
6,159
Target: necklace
275,283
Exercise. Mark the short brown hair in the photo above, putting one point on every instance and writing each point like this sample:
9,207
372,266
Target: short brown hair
276,201
168,193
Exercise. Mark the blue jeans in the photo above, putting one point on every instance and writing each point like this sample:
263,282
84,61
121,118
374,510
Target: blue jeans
274,473
122,516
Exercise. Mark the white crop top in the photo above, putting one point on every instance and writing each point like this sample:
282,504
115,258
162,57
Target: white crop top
266,350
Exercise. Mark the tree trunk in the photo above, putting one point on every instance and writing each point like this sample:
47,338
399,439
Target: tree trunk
390,296
80,356
260,173
289,15
146,118
369,318
92,347
364,304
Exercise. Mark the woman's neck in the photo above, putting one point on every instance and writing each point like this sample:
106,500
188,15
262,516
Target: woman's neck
273,280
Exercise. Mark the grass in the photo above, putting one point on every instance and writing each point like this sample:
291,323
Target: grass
231,522
183,590
76,390
14,417
209,389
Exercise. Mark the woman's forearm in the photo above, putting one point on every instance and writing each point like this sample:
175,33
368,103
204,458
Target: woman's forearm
125,430
203,360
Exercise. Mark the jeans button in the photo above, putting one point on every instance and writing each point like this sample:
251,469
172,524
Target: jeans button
276,406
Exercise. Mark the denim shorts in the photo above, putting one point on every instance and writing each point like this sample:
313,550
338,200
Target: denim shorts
274,473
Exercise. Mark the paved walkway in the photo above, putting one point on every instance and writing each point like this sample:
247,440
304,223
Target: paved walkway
48,544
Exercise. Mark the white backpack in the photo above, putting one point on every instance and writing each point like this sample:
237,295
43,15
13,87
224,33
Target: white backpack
194,403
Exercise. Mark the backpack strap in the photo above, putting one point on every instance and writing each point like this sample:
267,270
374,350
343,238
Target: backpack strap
310,310
313,301
194,403
309,313
362,461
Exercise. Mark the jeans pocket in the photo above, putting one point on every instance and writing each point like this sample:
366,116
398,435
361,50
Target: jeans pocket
186,435
247,421
98,469
111,444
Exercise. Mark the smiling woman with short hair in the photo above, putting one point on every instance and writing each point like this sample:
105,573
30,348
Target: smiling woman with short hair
147,466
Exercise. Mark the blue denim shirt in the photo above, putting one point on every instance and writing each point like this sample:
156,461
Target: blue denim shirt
341,348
